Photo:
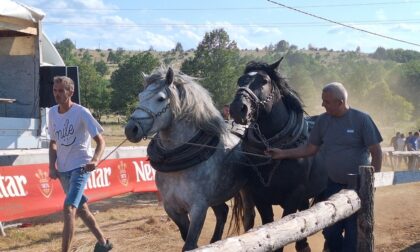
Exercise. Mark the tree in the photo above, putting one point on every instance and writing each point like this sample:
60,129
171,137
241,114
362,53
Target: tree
101,67
380,53
119,55
101,98
127,81
282,46
87,58
88,79
409,84
178,48
116,57
66,48
216,61
111,57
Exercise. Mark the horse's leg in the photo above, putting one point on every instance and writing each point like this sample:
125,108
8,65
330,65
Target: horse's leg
267,215
303,245
221,212
197,218
248,208
293,203
266,212
180,219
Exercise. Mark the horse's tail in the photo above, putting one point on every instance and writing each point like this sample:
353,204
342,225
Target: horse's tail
237,215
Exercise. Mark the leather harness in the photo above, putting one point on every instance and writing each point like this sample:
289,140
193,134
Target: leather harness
196,150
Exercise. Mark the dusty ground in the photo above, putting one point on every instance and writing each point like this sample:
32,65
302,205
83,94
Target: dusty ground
136,222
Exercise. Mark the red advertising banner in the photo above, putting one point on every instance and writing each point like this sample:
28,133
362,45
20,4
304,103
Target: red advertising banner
27,191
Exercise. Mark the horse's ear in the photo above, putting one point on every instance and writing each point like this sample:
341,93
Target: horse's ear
169,76
276,64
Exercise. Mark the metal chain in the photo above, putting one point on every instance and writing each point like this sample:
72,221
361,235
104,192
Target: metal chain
267,146
260,177
261,136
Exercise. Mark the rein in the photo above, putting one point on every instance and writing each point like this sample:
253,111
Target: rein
197,150
213,147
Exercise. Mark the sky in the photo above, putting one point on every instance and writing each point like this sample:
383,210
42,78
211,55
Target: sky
158,24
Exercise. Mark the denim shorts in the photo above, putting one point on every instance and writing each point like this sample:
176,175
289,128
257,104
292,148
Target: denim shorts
73,183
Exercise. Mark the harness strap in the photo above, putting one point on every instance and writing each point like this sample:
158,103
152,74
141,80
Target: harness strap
184,156
294,133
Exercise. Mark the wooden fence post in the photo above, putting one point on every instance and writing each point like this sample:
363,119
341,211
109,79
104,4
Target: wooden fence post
2,233
365,220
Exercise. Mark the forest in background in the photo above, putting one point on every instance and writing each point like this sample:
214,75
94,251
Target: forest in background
385,84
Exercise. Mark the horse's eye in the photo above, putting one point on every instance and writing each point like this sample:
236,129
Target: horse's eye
161,99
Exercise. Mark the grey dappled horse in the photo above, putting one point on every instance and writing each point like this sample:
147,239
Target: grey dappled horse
191,151
276,118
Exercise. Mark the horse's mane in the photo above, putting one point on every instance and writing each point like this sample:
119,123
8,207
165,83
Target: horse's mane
190,101
290,98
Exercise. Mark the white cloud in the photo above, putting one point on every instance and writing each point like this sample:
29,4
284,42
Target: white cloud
117,20
380,15
194,36
94,4
403,27
158,41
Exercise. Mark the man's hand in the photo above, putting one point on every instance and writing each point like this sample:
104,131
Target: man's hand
275,153
91,166
53,174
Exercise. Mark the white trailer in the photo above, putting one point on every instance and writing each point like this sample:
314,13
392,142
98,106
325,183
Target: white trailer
28,61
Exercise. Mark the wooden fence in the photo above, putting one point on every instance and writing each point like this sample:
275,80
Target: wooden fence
296,226
397,159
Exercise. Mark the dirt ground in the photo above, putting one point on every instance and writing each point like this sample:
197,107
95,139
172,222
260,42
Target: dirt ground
136,222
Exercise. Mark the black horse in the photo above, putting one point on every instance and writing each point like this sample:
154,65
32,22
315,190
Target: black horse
274,112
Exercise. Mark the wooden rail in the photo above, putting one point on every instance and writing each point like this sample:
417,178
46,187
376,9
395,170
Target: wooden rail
296,226
292,227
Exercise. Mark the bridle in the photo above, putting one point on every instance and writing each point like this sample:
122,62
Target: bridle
151,115
255,101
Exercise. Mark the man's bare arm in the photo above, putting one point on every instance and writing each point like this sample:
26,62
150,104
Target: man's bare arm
299,152
99,150
52,156
376,152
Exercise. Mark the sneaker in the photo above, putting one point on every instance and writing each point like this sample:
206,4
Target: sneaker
103,248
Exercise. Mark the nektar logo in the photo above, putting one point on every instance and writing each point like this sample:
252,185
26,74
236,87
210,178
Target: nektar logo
45,184
122,167
12,186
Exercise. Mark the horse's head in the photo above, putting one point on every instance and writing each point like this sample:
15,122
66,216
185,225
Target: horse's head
261,88
171,99
256,92
153,111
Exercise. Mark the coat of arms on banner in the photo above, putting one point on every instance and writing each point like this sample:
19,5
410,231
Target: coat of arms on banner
45,184
123,173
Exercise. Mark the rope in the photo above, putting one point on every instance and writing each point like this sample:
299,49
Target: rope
207,146
107,156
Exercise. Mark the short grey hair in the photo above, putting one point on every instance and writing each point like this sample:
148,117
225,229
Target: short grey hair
68,82
337,89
